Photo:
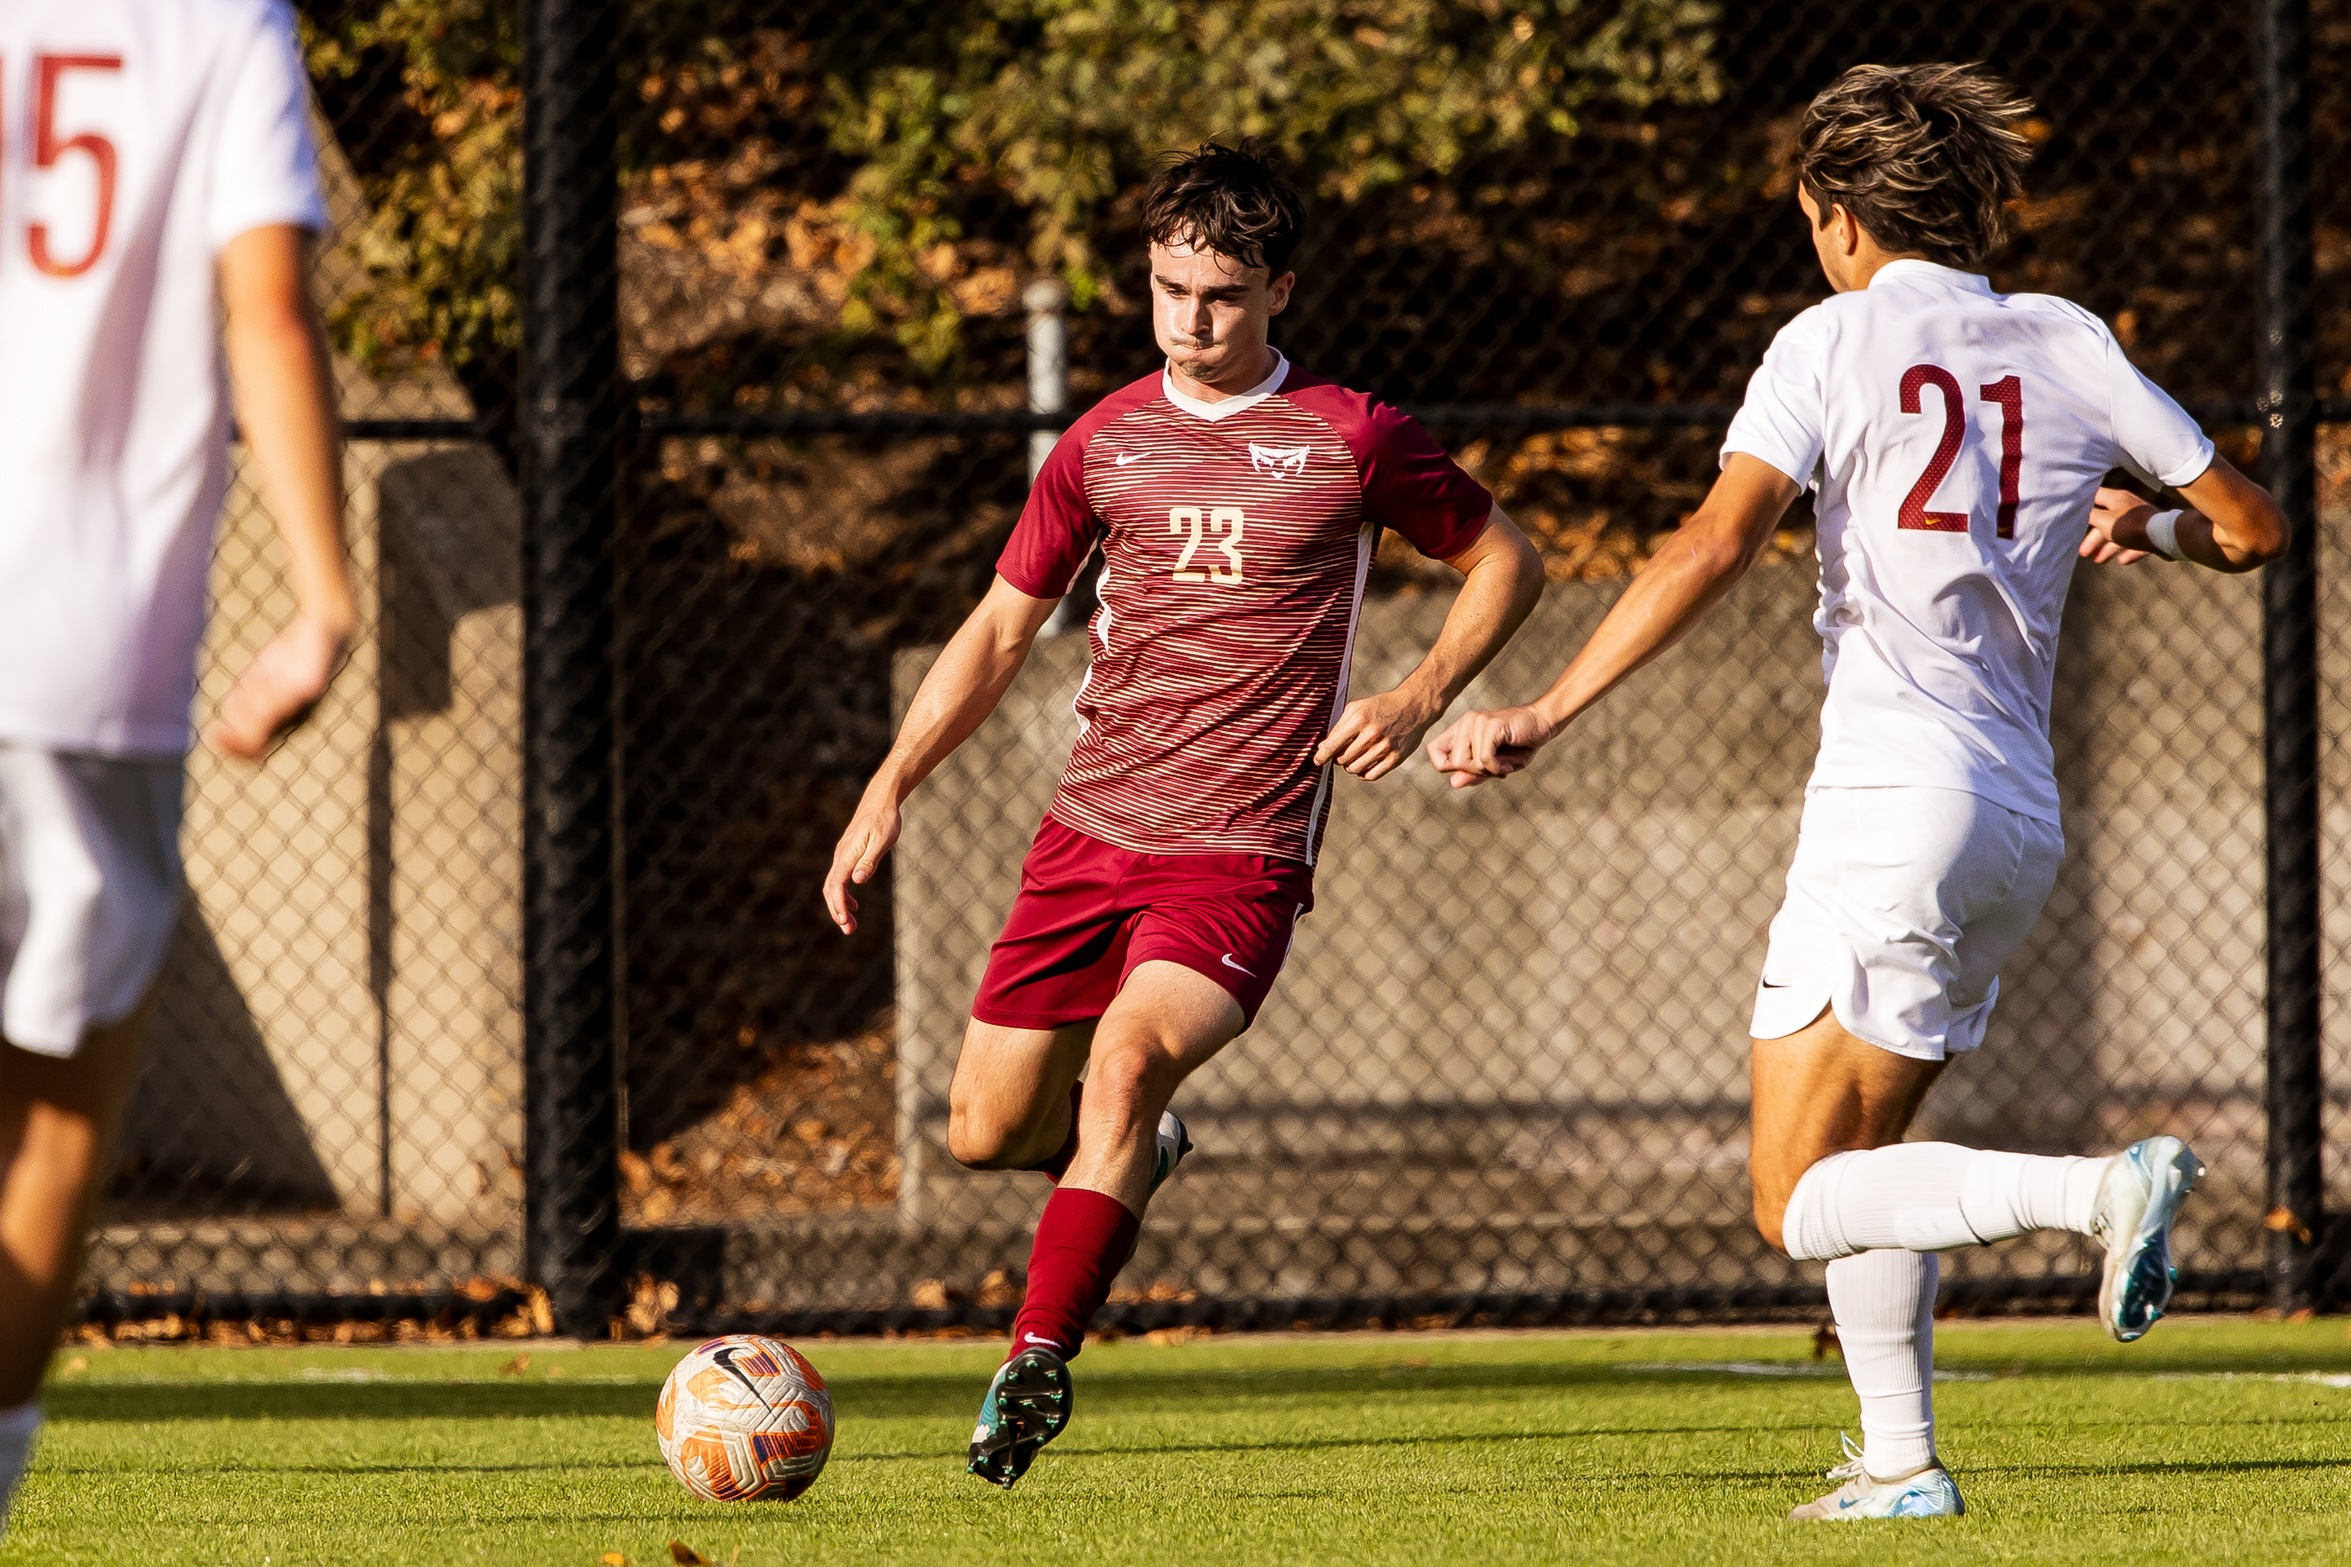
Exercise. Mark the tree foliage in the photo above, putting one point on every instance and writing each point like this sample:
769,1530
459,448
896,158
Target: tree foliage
1061,106
441,165
1049,109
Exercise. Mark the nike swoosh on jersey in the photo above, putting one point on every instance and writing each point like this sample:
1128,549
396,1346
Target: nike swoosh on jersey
1236,968
1121,459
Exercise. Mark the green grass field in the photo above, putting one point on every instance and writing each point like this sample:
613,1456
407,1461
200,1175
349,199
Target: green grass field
2210,1442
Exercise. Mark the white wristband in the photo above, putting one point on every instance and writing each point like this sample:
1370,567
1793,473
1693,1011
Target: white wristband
2163,534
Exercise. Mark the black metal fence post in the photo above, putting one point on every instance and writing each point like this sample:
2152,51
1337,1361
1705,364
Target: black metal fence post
570,442
2289,623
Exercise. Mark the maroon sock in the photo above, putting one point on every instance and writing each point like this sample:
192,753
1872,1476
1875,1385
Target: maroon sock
1058,1165
1082,1241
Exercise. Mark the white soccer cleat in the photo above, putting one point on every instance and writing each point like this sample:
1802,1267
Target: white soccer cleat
1168,1149
1923,1493
2137,1202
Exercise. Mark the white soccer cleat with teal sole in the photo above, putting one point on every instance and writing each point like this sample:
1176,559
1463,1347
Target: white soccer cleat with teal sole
2137,1203
1168,1148
1923,1493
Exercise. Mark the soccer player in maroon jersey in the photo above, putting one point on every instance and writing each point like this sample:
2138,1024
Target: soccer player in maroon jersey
1237,501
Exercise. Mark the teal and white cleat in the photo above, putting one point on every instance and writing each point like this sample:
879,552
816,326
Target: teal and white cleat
2137,1203
1027,1405
1169,1149
1923,1493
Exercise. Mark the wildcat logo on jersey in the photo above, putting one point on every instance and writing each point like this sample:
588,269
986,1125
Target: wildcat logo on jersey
1286,461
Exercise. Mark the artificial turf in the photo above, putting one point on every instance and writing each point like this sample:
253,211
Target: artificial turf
2209,1442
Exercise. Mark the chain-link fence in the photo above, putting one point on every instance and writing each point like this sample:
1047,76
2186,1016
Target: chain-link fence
512,972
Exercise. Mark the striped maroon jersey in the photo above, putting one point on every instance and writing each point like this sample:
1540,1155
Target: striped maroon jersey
1236,537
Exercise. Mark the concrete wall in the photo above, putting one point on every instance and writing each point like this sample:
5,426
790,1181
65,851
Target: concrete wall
1527,1005
339,1027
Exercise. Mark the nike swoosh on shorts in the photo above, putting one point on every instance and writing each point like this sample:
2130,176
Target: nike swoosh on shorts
1235,967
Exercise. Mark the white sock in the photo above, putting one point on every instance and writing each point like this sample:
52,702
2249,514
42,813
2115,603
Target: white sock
1933,1197
1884,1303
18,1427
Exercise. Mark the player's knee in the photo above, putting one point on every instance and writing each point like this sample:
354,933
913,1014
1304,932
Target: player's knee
978,1140
1771,1210
1133,1075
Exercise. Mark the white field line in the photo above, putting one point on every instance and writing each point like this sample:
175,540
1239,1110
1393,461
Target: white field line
2337,1379
1768,1368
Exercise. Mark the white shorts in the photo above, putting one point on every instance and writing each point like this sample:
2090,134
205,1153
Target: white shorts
89,890
1902,906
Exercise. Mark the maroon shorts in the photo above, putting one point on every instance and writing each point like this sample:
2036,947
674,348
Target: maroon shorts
1089,912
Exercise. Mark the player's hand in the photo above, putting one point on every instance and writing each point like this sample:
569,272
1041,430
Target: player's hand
278,690
1493,744
2113,510
872,833
1374,736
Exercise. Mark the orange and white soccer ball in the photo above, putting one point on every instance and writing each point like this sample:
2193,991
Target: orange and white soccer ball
745,1418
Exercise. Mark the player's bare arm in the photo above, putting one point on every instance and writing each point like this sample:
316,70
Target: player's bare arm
285,403
1502,578
1690,573
2230,524
974,671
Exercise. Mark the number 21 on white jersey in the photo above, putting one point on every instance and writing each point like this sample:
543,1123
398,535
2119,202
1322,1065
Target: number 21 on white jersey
2006,394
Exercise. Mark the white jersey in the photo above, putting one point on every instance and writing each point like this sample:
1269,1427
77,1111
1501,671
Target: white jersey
137,138
1956,438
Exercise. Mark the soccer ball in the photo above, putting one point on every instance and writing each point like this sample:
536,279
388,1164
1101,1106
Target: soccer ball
745,1418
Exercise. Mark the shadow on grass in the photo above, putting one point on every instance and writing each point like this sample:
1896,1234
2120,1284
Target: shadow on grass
2218,1467
212,1468
1327,1443
1182,1383
345,1401
930,1395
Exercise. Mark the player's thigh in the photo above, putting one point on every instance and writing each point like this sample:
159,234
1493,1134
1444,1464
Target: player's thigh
1010,1080
1168,1021
1820,1091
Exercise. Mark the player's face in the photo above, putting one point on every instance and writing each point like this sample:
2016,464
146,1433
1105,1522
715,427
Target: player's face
1210,314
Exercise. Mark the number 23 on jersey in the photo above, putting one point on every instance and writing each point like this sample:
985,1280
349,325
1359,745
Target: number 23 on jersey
2007,394
1219,527
51,256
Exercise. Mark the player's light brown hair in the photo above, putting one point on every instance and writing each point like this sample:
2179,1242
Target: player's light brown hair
1925,157
1230,200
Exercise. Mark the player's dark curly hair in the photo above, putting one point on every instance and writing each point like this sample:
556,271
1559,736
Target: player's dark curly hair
1231,200
1925,157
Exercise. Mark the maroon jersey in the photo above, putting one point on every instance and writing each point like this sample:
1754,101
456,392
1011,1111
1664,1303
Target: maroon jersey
1236,536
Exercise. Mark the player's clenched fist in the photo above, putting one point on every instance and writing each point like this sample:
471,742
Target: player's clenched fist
872,833
1374,736
275,694
1483,745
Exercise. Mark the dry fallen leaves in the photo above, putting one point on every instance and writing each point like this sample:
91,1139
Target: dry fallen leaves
686,1556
